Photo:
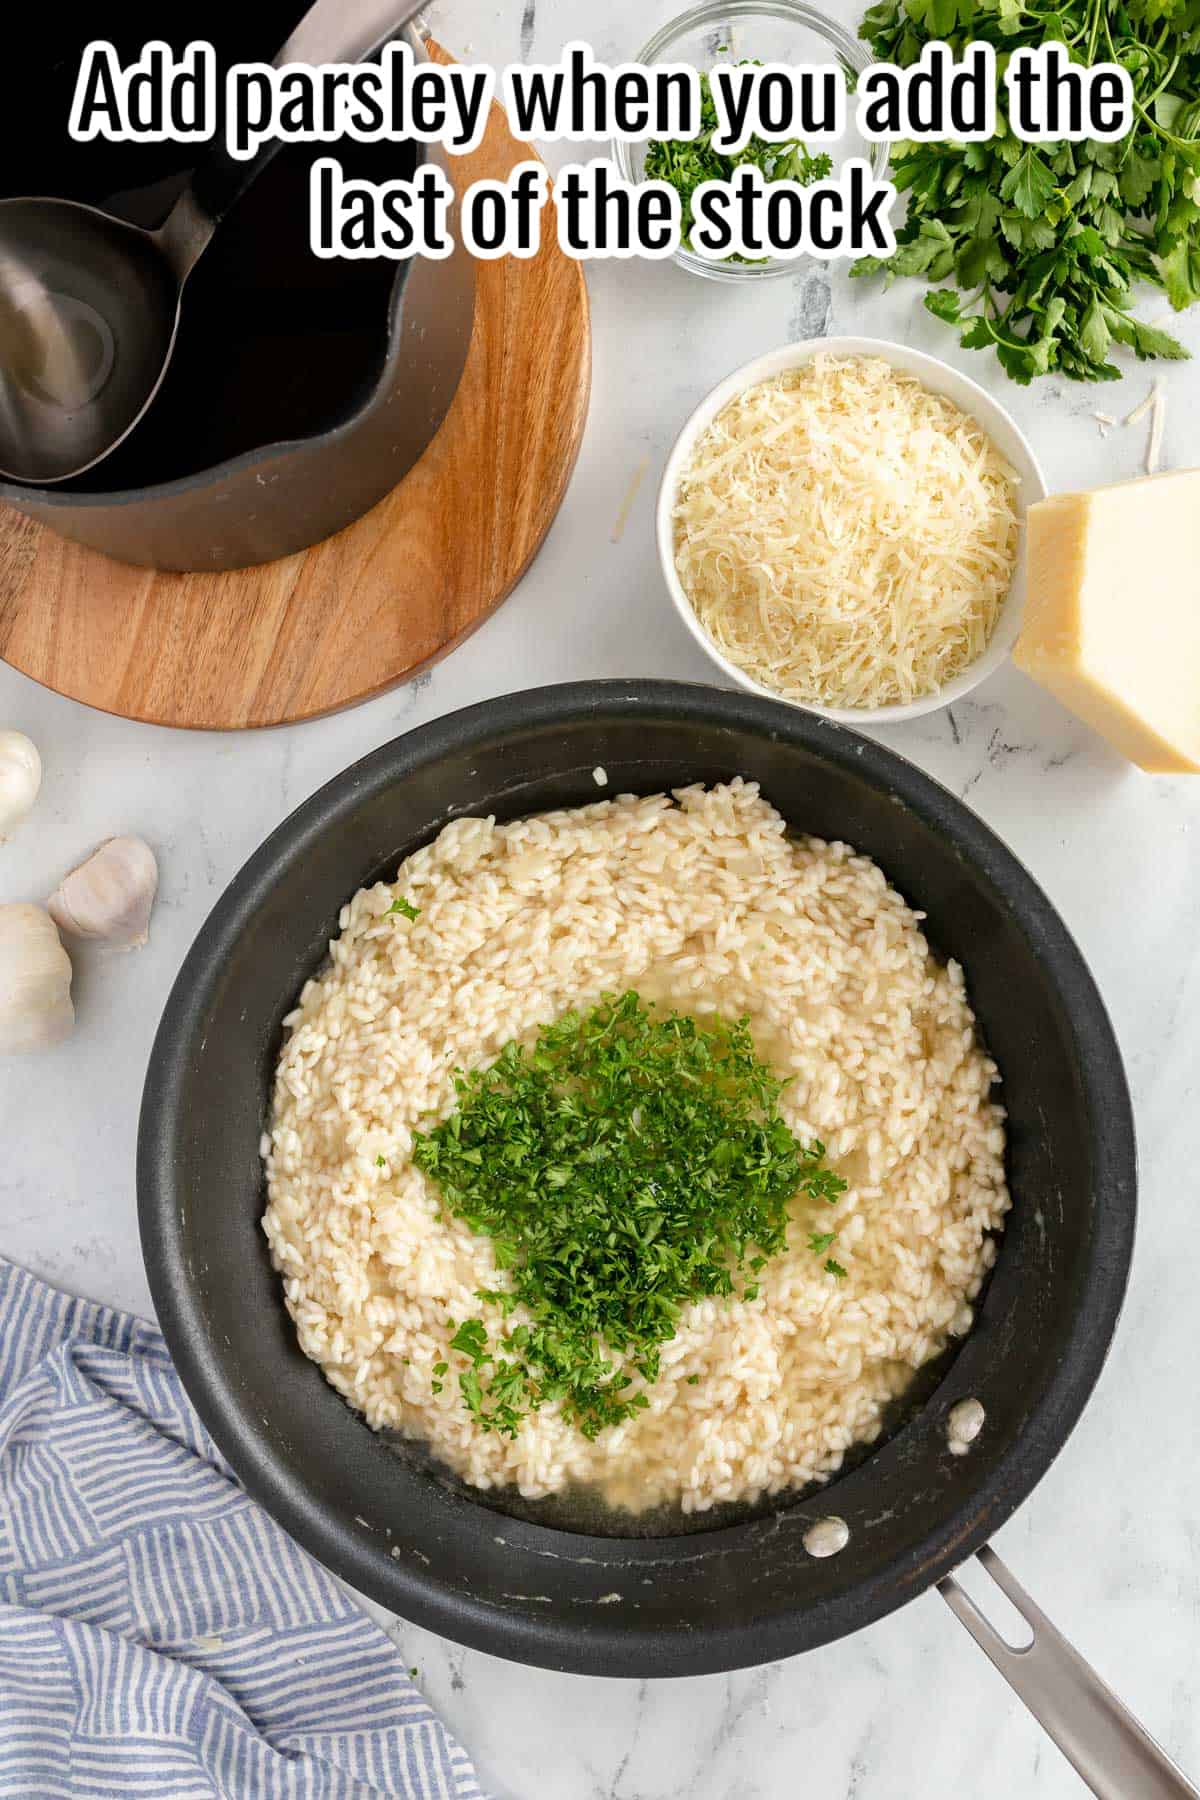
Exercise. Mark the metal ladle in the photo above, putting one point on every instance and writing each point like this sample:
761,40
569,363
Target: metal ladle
89,304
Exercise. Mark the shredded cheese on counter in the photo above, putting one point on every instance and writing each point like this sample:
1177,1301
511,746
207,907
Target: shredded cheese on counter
846,537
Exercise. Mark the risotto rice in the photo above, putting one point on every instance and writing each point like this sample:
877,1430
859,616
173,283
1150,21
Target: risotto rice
704,902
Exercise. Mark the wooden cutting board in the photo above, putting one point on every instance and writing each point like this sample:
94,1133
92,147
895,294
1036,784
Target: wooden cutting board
370,607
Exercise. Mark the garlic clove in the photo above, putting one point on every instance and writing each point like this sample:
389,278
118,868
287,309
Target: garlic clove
110,895
35,981
20,779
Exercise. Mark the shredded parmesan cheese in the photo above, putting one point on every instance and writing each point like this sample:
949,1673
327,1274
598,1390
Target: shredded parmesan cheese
846,537
1158,419
631,493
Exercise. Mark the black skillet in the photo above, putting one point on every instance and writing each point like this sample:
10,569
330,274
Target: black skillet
746,1591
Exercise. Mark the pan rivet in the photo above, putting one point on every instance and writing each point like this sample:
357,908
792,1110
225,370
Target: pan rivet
963,1425
827,1537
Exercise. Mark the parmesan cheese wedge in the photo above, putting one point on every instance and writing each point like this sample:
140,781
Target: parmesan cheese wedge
1112,617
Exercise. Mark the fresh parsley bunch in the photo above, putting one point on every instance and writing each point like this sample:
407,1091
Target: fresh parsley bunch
1042,245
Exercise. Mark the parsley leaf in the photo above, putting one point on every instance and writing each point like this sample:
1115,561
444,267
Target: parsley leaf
405,908
1029,185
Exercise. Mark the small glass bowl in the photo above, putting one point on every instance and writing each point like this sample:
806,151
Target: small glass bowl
767,31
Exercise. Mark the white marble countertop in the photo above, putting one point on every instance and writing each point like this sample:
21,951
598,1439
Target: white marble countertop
1109,1543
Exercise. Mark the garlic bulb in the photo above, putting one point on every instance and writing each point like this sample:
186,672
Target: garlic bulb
35,981
20,779
110,895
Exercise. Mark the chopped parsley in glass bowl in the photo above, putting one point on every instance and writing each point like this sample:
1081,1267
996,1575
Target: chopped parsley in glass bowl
742,31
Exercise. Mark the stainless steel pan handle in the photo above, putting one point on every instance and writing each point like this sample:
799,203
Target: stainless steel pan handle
331,31
1097,1734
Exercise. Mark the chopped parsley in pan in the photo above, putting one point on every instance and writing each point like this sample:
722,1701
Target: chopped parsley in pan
625,1164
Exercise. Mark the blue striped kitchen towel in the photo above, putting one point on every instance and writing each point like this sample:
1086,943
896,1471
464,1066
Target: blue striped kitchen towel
160,1636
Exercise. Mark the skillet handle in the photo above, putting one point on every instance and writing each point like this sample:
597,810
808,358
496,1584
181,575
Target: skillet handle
331,31
1116,1757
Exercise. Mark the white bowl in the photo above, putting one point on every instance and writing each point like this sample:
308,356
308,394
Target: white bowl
939,378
